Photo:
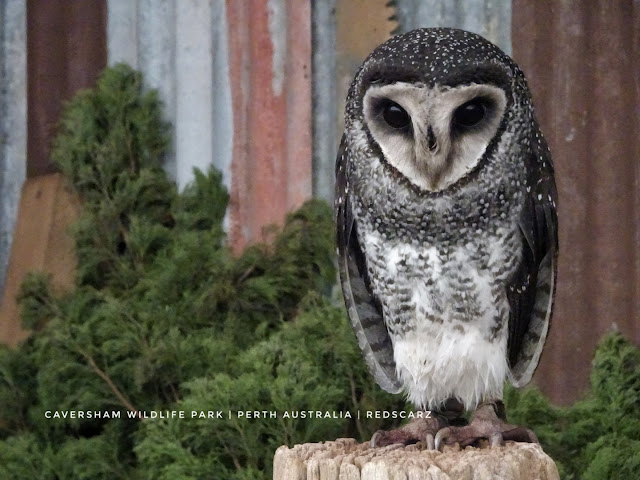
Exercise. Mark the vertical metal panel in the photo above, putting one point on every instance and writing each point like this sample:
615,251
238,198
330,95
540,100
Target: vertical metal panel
67,50
155,56
297,78
122,32
325,131
142,35
185,51
194,90
582,61
222,106
270,70
48,50
13,119
344,33
488,18
182,49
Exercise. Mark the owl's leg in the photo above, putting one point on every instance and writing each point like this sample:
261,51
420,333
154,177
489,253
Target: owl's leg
487,422
422,429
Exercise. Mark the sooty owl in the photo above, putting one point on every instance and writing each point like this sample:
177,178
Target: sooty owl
446,230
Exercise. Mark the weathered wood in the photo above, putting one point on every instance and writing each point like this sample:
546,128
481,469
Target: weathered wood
345,459
41,243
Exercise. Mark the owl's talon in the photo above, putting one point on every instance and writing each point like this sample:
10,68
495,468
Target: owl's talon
429,439
496,440
441,436
485,425
374,439
417,430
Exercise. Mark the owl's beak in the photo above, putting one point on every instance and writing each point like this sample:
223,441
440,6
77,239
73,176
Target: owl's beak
432,143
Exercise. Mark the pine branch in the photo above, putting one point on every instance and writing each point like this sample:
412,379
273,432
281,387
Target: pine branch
109,382
246,274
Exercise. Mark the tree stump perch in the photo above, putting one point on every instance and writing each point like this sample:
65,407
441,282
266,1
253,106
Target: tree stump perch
345,459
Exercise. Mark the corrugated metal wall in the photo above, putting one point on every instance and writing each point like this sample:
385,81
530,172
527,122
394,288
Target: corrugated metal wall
183,53
235,78
64,45
582,60
488,18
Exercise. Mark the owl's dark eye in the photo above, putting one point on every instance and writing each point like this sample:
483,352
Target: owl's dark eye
470,114
396,116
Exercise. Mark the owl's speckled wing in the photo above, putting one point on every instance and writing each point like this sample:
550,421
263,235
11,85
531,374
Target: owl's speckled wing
532,289
363,308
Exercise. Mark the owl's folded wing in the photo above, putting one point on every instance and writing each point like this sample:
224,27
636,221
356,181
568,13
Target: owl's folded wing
532,289
363,308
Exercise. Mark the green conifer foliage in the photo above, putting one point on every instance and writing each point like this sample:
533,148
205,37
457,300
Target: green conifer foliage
165,319
598,437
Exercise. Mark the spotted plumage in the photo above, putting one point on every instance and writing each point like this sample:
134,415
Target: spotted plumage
446,219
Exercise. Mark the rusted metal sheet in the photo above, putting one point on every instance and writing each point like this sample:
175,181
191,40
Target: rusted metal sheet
582,61
66,46
270,70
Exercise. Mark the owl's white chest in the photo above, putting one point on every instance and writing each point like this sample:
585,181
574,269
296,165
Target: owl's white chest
437,365
447,317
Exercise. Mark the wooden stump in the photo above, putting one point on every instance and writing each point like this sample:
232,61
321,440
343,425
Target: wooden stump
345,459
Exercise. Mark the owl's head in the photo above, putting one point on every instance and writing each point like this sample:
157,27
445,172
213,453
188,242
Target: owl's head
434,102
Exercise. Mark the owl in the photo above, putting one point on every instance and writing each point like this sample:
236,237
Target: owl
446,231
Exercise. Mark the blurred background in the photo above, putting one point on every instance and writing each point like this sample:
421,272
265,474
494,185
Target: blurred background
256,89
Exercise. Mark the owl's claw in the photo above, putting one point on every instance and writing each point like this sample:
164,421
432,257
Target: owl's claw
441,436
417,430
429,440
496,440
374,439
486,425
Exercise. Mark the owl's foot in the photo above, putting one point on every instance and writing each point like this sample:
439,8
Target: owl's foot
487,423
417,430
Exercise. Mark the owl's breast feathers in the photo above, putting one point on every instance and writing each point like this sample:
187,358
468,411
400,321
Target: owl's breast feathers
441,284
439,278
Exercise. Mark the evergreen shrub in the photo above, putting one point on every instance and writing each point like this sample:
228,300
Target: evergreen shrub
164,318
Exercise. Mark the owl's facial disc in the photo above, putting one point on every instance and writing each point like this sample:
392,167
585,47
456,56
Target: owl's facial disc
433,136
